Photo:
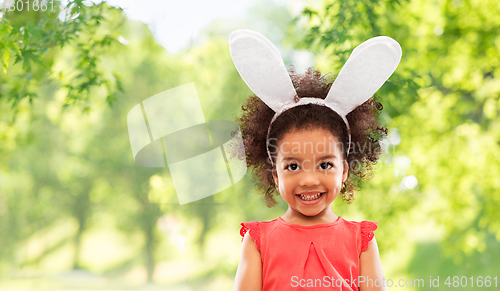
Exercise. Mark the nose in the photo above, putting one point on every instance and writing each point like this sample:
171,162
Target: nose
309,178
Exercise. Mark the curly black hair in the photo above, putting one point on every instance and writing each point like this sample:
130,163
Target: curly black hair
366,132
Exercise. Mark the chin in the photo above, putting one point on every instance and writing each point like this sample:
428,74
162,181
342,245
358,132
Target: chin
311,213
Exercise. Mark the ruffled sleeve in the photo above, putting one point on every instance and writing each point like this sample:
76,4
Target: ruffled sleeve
254,231
367,228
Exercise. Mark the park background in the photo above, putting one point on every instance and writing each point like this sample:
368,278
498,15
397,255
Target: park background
76,212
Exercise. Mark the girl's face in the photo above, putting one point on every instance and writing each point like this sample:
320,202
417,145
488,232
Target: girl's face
310,170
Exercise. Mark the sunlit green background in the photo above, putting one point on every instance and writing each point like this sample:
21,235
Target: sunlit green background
76,212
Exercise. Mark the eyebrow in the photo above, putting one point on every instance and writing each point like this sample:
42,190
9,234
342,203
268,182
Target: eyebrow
298,159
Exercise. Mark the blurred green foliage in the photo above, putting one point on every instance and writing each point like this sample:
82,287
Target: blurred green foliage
68,181
444,102
31,37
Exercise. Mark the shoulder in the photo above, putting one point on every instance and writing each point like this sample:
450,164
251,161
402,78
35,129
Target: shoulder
361,225
350,223
364,230
246,226
254,230
250,245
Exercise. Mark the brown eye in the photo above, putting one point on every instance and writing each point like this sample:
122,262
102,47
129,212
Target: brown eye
292,167
326,165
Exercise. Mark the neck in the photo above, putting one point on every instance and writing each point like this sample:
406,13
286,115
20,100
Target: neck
325,216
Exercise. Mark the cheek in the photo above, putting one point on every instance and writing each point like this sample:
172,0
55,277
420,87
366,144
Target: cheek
282,177
335,181
288,184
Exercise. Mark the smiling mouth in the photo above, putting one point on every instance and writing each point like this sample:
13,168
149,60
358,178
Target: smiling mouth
310,197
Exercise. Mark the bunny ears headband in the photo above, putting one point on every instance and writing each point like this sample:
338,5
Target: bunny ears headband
261,66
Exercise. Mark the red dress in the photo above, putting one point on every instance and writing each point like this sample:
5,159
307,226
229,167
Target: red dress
316,257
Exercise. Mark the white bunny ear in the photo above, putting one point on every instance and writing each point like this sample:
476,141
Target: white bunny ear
369,66
261,67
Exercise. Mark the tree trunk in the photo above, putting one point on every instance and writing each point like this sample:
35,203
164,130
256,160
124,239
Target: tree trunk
150,261
78,243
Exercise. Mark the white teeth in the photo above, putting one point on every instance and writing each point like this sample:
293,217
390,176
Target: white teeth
304,197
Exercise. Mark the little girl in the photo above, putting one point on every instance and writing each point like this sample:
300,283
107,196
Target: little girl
310,140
